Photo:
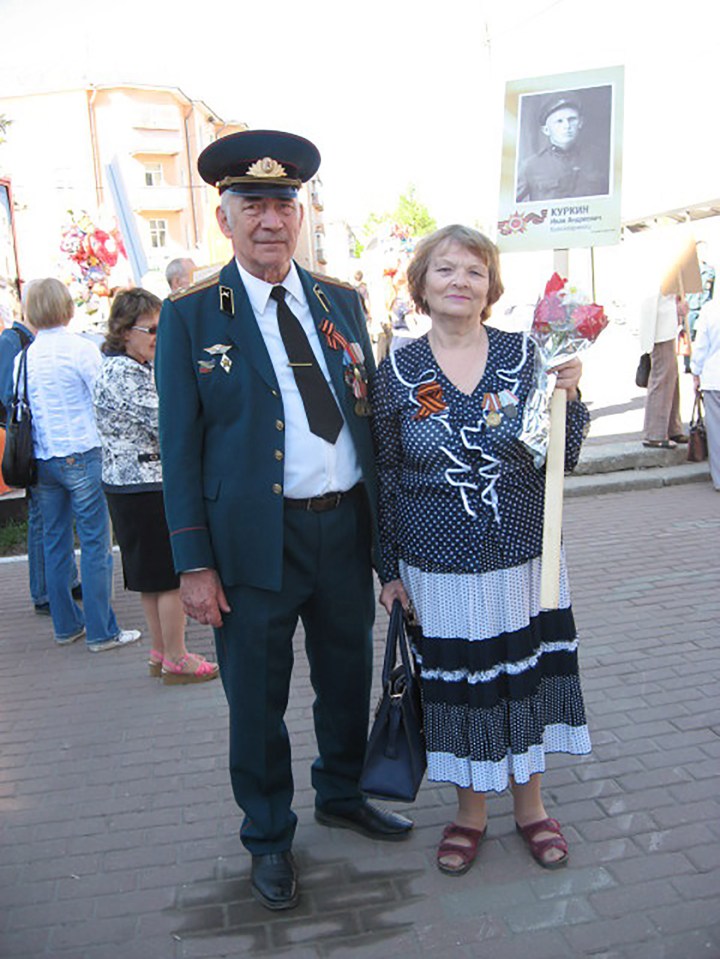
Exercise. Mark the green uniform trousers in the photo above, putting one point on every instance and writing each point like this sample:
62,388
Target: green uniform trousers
327,584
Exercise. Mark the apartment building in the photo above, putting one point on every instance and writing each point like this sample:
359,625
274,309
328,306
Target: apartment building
66,149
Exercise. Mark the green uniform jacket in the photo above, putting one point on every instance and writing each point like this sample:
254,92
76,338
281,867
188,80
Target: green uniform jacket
222,424
554,174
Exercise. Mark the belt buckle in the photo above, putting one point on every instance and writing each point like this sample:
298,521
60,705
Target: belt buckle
324,503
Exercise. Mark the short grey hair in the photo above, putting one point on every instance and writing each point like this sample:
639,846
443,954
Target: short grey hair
176,269
225,206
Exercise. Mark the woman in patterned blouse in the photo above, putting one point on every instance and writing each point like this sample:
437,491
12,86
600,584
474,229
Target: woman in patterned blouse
126,406
461,511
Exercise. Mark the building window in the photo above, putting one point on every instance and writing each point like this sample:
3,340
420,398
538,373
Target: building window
153,174
158,233
320,247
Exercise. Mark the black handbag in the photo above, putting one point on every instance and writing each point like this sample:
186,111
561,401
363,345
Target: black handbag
395,758
642,374
697,434
19,467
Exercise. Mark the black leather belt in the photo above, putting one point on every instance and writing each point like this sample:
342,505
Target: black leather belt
321,504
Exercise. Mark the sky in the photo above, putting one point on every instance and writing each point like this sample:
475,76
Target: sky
398,92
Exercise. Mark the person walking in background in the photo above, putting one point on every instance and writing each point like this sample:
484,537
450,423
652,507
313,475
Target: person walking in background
270,495
660,317
62,368
705,367
696,301
461,520
12,341
126,407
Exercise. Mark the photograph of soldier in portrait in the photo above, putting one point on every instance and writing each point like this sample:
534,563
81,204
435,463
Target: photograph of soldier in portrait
564,144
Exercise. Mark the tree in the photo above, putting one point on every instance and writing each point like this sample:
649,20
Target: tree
413,214
409,213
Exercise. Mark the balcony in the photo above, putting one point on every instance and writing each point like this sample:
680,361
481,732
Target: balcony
161,197
155,143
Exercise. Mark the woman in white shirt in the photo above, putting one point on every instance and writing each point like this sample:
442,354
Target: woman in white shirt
62,368
705,367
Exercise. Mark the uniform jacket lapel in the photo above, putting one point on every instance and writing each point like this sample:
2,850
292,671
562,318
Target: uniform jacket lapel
242,326
334,358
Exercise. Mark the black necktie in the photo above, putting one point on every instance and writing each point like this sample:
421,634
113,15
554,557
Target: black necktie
324,417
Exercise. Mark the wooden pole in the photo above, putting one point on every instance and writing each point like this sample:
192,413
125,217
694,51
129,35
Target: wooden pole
554,482
554,488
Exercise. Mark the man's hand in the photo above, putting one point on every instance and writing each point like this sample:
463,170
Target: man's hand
568,377
203,597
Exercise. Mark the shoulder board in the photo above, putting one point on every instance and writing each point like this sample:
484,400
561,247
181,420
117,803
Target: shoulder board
195,287
332,280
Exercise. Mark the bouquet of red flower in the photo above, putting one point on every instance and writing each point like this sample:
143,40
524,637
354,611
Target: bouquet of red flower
564,324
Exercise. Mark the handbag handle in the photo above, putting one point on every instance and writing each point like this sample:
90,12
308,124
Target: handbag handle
698,417
396,637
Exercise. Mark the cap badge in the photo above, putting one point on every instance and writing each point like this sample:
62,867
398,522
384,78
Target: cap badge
265,168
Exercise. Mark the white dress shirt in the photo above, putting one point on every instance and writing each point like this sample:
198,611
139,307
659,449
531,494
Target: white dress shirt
312,465
62,368
705,359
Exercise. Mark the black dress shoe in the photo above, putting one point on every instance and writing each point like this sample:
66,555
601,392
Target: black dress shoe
370,821
77,592
273,880
42,609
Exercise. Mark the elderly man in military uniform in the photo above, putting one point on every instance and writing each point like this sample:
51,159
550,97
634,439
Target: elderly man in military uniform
565,167
270,494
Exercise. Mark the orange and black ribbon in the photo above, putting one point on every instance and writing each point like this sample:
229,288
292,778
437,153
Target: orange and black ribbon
335,340
430,398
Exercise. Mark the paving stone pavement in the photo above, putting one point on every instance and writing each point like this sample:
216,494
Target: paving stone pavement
118,832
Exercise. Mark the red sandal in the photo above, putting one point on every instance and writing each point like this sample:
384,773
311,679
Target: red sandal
466,853
539,848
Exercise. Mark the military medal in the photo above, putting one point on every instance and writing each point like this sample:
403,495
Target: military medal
491,408
218,349
355,373
508,403
226,363
206,366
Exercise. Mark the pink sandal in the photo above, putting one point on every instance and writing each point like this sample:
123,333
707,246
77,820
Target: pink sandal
539,848
466,853
181,673
155,663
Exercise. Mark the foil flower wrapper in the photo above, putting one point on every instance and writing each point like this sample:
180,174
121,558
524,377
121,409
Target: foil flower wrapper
564,324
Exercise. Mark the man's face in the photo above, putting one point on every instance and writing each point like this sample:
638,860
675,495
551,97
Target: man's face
562,127
264,232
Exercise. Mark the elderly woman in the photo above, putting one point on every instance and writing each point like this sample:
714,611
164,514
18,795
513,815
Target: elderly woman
126,406
461,508
62,368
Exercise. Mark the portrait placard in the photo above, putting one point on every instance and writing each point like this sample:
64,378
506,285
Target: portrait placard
561,161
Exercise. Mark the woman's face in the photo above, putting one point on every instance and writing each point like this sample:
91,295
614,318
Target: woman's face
141,338
456,283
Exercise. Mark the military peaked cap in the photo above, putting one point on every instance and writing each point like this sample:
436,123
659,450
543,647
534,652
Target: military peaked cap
259,163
